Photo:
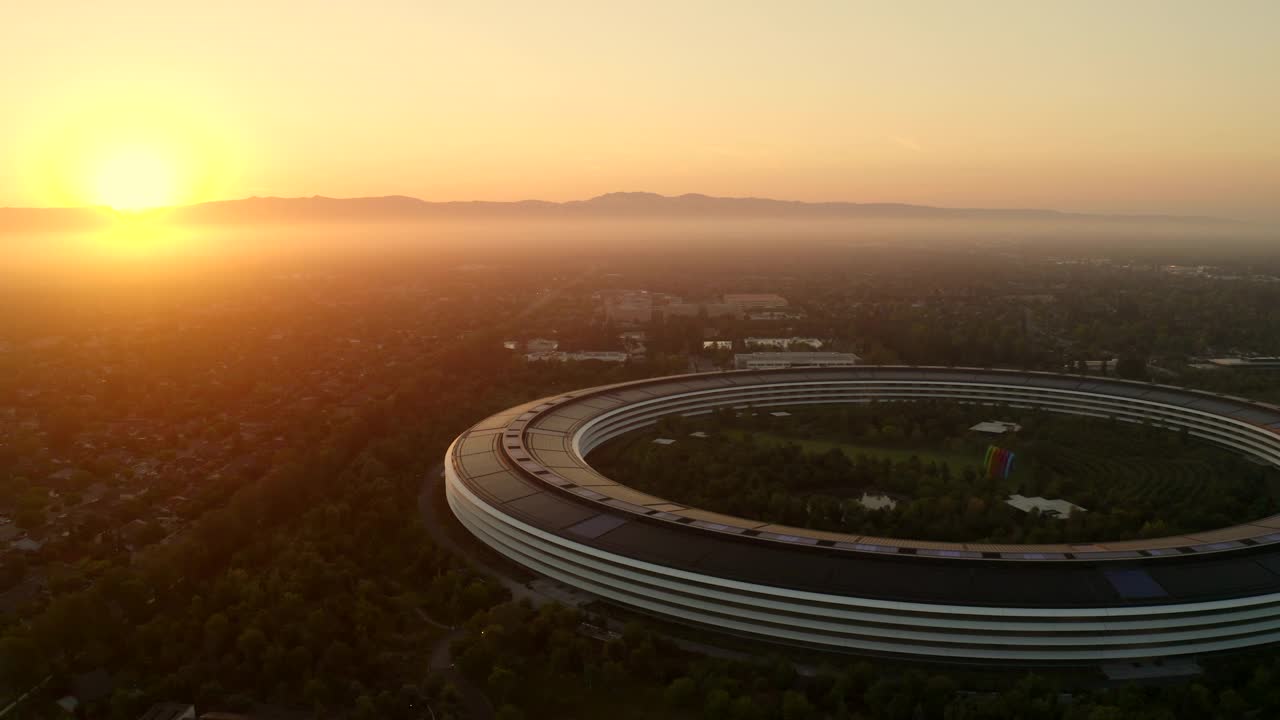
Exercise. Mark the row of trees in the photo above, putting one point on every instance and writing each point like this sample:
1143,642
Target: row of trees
309,586
538,663
1133,480
305,589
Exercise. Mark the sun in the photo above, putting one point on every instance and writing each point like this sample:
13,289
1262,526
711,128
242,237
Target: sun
135,177
133,146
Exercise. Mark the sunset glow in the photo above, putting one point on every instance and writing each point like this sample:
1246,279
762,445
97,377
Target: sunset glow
1169,107
136,178
860,359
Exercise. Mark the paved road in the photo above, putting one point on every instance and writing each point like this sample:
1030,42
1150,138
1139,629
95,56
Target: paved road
477,704
435,513
9,708
473,699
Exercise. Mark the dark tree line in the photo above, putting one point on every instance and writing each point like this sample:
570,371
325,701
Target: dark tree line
1133,481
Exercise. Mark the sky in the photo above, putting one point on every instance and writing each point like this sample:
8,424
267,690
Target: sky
1136,106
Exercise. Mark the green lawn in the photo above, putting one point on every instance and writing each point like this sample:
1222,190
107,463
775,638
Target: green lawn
956,460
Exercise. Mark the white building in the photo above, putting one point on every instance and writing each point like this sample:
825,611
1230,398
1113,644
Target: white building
783,343
1049,508
1104,602
775,315
996,427
775,360
1256,362
755,301
598,355
629,307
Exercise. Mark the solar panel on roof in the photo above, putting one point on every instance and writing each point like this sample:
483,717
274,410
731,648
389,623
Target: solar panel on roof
504,486
548,510
1168,398
950,553
789,538
629,507
1114,389
1108,555
1212,547
714,526
1033,556
597,526
1254,415
1134,584
480,464
866,547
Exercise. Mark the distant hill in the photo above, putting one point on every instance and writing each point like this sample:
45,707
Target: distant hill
51,219
630,205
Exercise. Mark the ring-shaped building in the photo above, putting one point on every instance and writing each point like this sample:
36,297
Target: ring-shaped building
519,481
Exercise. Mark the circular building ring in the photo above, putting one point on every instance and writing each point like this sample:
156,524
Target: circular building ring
519,482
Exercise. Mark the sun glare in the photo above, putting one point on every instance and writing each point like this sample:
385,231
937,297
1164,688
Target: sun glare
130,148
135,178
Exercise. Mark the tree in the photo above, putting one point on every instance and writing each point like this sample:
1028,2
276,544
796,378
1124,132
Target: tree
217,629
680,692
509,712
21,662
366,709
500,683
717,705
1132,366
251,644
795,706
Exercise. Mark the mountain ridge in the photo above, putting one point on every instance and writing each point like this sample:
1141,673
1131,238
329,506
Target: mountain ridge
629,205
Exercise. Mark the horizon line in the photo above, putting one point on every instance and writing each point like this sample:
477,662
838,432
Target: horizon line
638,193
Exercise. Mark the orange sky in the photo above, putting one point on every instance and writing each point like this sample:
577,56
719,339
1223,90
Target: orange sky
1136,106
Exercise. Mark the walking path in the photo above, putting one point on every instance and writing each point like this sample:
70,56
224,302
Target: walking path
9,708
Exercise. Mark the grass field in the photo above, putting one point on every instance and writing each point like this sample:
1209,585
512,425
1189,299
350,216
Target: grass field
957,461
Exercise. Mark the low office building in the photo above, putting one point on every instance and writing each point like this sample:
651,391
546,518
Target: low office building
598,355
783,343
755,301
782,360
1057,507
521,483
1251,363
996,427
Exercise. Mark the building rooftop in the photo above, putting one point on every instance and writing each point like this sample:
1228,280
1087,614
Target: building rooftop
771,360
1055,508
756,298
996,427
1257,361
523,462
